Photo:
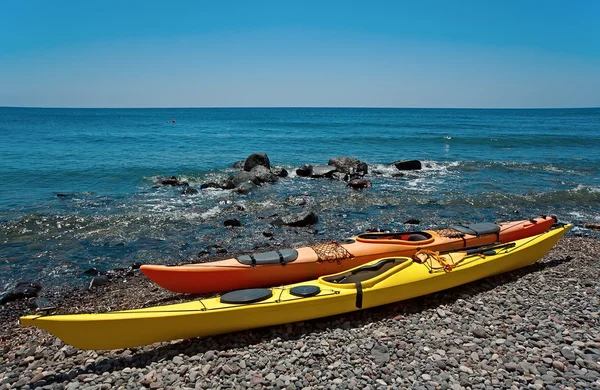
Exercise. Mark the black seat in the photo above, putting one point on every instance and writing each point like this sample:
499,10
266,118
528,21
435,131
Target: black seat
477,229
251,295
283,256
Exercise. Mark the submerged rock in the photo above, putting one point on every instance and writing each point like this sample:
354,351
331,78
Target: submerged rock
263,174
359,184
349,165
280,172
233,222
305,218
22,290
172,181
408,165
189,191
305,170
322,170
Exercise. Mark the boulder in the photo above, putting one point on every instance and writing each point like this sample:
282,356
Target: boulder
322,170
359,184
304,171
243,177
280,172
341,176
305,218
407,165
172,181
189,191
592,226
349,165
210,185
245,188
256,159
22,290
233,222
263,174
99,281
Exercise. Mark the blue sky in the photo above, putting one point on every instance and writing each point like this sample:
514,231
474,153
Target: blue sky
300,53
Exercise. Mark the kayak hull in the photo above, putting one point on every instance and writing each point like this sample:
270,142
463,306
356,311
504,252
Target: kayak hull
230,274
396,279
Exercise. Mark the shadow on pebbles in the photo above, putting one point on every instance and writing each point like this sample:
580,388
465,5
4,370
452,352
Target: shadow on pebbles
537,328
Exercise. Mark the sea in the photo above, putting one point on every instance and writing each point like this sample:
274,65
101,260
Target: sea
79,188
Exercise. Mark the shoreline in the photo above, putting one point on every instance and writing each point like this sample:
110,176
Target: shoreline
535,327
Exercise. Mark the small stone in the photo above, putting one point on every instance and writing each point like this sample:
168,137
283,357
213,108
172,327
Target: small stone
558,365
568,353
510,366
178,360
479,332
270,377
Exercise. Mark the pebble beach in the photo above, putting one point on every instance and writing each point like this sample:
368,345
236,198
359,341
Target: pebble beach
537,327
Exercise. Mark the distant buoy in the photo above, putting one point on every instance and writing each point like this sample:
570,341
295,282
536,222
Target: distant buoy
172,120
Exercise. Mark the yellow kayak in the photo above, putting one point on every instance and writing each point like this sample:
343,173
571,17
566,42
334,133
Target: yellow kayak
376,283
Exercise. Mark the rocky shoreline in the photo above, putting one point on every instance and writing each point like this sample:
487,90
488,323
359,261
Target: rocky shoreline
537,327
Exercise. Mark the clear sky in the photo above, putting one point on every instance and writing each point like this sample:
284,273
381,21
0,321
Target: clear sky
293,53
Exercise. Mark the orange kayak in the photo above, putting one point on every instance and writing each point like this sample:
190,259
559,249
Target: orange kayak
306,263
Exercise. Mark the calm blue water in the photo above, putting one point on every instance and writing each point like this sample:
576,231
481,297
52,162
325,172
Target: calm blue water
480,165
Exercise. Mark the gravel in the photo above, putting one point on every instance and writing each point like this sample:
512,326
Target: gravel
533,328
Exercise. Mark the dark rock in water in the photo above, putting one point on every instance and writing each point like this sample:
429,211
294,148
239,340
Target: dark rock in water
243,177
245,188
408,165
412,221
227,185
341,176
349,165
306,218
263,174
238,164
359,184
21,291
592,226
322,170
297,201
91,271
189,191
211,185
172,181
280,172
232,222
29,284
217,249
99,281
267,233
257,159
304,171
135,265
